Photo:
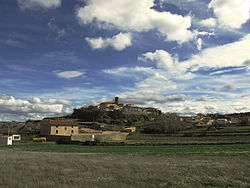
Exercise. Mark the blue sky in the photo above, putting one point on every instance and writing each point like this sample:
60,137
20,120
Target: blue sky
182,56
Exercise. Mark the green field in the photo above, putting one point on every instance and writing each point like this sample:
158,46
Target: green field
146,160
167,150
124,167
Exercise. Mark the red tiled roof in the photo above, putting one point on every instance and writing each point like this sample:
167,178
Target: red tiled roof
63,122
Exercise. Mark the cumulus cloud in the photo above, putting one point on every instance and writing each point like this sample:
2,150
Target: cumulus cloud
4,97
167,74
206,107
157,82
69,74
38,4
37,100
162,58
118,42
167,64
31,109
136,16
228,55
210,22
232,13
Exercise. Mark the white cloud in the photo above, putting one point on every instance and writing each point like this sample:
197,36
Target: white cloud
37,100
199,43
38,4
118,42
185,76
204,33
210,22
157,82
136,16
232,13
163,59
167,76
228,55
206,107
167,64
69,74
57,101
31,109
225,71
130,71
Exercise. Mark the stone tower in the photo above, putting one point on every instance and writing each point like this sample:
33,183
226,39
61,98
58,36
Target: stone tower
117,100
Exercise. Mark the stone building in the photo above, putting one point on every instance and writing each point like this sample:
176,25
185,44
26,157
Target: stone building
111,106
59,127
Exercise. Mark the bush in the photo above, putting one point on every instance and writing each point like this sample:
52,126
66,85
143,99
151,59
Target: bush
166,123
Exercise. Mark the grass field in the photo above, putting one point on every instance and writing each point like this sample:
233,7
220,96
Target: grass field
220,135
146,161
161,139
35,169
168,150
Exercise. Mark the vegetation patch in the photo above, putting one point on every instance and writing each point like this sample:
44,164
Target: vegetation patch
29,169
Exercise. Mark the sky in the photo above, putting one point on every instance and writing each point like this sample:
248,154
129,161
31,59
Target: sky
180,56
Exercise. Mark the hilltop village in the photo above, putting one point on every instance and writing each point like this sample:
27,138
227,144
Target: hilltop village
116,106
107,122
112,122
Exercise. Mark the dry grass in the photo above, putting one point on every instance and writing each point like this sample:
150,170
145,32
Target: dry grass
34,169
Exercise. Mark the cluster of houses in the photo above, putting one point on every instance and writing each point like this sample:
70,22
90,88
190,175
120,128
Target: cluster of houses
202,119
116,106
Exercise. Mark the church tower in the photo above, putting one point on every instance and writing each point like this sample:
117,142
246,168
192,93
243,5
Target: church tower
117,100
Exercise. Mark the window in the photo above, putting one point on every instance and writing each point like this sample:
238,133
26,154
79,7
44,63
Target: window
72,131
65,128
72,126
56,131
57,126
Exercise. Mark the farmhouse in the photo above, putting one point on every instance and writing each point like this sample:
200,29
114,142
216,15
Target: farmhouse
59,127
68,131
